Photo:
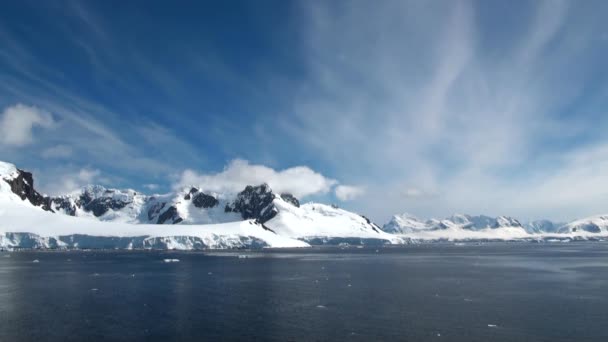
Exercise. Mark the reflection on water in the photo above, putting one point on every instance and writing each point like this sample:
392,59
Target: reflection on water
495,292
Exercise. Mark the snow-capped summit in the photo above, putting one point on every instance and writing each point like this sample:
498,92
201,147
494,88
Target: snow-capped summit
407,223
594,224
254,202
505,221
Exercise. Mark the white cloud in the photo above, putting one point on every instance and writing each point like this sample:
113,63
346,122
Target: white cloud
349,192
58,151
17,122
72,182
151,186
300,181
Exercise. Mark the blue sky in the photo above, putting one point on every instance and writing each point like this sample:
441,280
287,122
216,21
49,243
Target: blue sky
383,107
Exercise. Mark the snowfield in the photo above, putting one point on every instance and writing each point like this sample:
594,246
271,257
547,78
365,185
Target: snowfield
52,230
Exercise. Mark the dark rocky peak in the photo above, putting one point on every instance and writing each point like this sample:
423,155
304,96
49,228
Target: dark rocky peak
289,198
63,203
255,202
155,209
201,199
102,205
189,194
99,200
23,186
170,216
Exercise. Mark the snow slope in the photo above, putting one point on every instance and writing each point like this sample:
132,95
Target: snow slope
406,223
20,221
315,220
595,224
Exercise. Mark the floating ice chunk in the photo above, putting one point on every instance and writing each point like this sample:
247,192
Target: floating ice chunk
36,261
171,260
94,289
492,326
321,307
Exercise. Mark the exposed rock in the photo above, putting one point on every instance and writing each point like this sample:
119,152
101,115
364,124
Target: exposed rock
202,200
374,226
289,198
100,206
188,196
255,202
99,200
155,209
63,204
23,186
170,216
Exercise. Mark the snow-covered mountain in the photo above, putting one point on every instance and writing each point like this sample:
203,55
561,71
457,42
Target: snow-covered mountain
253,217
407,223
543,226
594,224
481,227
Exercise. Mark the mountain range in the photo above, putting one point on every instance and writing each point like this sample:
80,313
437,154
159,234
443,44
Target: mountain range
192,218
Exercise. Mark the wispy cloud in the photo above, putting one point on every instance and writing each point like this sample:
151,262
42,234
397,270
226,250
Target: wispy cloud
58,151
425,95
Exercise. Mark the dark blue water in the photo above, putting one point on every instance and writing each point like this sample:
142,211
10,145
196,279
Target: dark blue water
493,292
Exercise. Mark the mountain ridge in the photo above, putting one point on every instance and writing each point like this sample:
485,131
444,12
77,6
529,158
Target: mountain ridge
192,218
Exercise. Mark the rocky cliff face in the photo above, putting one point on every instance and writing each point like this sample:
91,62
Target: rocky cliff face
255,202
23,186
289,198
170,216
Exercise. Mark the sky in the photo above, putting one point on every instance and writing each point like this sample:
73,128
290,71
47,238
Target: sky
382,107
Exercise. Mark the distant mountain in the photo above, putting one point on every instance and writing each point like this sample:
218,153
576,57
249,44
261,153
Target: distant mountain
594,224
543,226
407,223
